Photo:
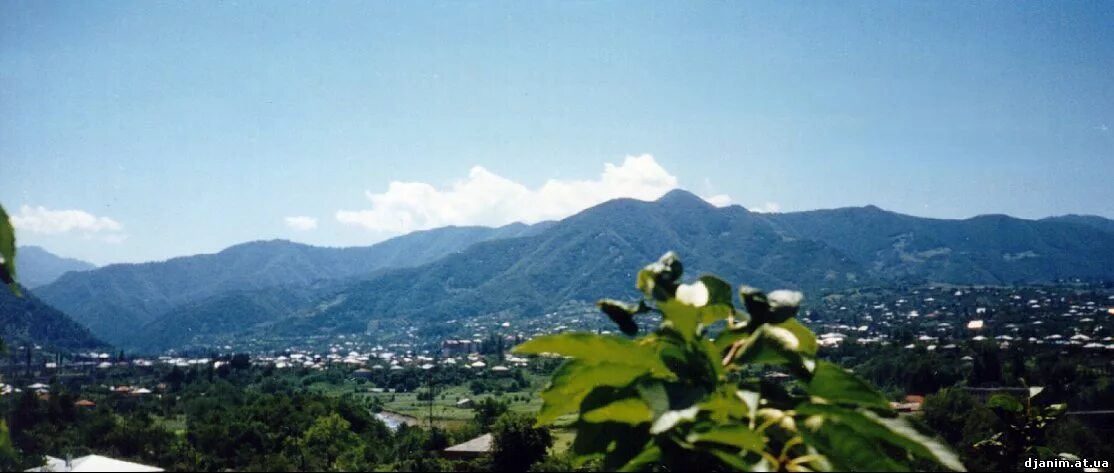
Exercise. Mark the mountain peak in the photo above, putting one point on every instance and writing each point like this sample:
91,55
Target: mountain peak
677,197
37,266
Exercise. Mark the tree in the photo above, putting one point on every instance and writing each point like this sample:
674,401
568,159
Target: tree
488,411
1026,428
683,399
327,442
240,361
948,412
518,443
9,457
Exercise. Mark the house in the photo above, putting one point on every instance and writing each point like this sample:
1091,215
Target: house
474,448
92,463
85,403
911,403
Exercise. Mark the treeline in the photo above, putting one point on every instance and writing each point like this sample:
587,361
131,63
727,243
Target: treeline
988,437
1070,376
1081,378
253,419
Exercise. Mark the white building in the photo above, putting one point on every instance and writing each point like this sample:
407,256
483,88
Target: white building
93,463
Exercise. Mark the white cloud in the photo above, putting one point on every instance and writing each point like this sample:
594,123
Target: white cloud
767,208
301,223
485,198
44,221
719,200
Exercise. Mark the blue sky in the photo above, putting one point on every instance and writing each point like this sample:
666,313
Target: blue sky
172,128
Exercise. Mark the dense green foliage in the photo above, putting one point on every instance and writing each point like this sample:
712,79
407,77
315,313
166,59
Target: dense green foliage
8,453
7,252
1070,375
26,319
684,399
999,434
518,443
230,422
245,418
1026,425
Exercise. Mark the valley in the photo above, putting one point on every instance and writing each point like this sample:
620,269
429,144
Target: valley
262,295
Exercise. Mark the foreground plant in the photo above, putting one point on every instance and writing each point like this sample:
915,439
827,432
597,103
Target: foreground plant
682,399
9,457
1026,428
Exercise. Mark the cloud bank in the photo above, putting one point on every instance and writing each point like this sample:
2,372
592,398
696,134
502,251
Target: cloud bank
300,223
767,208
44,221
485,198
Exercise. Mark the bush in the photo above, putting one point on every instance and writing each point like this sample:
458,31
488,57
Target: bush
518,444
682,399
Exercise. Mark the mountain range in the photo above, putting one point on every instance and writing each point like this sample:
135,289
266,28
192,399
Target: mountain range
279,288
115,300
27,319
38,267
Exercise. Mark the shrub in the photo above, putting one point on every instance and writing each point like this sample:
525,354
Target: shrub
683,399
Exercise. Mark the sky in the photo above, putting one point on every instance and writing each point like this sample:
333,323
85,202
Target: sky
139,131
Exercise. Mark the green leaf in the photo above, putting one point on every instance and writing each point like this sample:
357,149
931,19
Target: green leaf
733,461
644,460
7,450
631,411
1055,410
849,451
720,304
1005,403
7,252
623,314
724,405
773,308
729,336
670,419
594,348
659,280
681,317
894,431
805,337
618,442
835,384
690,360
776,345
593,440
732,435
755,302
653,392
719,291
575,379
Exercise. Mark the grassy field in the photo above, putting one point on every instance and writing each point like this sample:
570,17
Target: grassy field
446,412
